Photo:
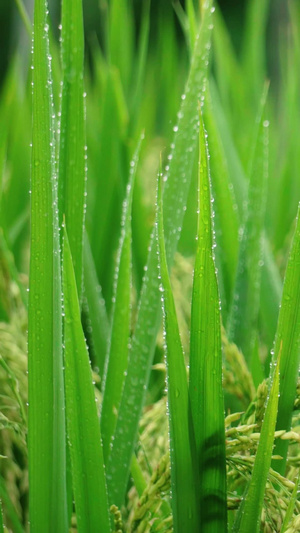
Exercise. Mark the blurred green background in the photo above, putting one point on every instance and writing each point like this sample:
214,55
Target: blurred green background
12,33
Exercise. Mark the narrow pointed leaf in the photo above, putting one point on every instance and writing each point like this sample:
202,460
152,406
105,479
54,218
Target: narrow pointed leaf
46,431
291,506
95,307
243,316
10,510
288,335
207,402
83,426
226,217
175,194
72,152
271,285
183,483
249,514
117,359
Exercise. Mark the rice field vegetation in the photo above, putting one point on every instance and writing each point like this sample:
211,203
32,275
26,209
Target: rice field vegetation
150,268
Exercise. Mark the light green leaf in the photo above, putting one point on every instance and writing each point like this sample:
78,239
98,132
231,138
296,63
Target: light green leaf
175,194
242,321
271,286
291,506
94,306
287,341
10,510
206,364
249,514
254,48
46,424
72,150
24,16
117,357
226,217
1,519
183,467
83,426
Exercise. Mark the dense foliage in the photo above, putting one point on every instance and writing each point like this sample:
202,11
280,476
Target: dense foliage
150,258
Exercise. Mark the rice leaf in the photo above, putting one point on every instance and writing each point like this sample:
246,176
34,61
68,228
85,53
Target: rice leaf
226,217
249,513
288,336
148,319
106,220
271,285
271,292
206,364
183,483
1,519
137,476
254,49
83,426
191,13
117,359
24,16
72,150
10,510
291,506
121,39
286,157
141,65
94,306
229,75
243,316
46,424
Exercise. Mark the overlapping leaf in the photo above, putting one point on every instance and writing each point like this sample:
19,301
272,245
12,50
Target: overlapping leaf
83,426
175,194
72,152
183,466
249,514
288,342
207,402
117,357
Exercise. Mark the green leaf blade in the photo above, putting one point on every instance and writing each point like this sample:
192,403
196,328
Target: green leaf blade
1,518
148,320
94,306
291,506
82,421
226,217
117,360
242,321
206,365
183,482
287,341
249,514
271,286
72,152
46,425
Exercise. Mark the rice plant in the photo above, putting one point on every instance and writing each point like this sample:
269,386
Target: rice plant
150,271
